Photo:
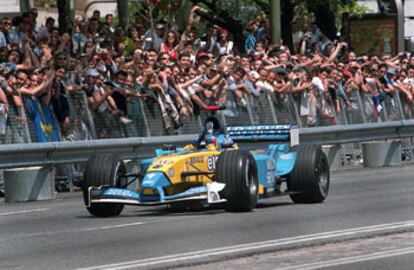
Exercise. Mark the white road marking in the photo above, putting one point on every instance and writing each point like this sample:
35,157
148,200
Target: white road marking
350,259
113,226
249,247
23,212
90,229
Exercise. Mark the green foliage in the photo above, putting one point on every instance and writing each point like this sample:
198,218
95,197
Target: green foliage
338,7
49,4
354,9
245,10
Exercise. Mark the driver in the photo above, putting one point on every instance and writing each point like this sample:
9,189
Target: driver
206,137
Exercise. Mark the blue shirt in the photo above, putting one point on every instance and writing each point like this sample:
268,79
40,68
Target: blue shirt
16,36
3,40
252,39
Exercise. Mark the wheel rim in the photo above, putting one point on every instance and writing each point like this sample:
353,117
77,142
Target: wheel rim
323,175
119,175
250,180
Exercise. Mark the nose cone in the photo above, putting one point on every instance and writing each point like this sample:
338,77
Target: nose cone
154,180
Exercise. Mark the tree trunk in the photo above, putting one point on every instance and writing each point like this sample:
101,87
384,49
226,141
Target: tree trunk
287,17
325,20
123,13
182,14
64,15
25,5
225,20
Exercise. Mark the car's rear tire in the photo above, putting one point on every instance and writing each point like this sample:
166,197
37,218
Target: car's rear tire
237,169
104,170
309,181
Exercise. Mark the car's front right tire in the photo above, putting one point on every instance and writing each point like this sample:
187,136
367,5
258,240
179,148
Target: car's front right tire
237,170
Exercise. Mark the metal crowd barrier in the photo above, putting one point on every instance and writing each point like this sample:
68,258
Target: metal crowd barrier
54,153
268,108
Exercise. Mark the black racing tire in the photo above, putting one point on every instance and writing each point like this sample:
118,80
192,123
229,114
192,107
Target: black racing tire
104,170
309,181
237,169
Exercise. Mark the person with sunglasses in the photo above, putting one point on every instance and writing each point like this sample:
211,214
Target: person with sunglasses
5,32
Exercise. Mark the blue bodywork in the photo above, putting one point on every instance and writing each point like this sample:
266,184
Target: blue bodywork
274,162
154,181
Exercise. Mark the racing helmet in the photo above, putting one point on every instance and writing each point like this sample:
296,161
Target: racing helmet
213,124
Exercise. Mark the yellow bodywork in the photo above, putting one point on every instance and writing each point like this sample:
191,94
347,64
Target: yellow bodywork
201,163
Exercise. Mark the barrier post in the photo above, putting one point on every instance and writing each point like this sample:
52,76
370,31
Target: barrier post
29,184
381,154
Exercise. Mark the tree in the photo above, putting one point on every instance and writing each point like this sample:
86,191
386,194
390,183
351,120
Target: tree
65,22
123,13
234,14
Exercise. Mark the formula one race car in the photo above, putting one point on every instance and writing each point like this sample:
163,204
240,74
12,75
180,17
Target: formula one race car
211,170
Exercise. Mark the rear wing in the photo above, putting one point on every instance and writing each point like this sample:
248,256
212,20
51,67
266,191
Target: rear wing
256,133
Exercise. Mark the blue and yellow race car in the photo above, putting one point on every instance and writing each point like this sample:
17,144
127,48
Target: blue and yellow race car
211,170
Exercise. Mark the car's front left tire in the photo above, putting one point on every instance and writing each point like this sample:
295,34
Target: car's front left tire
309,181
104,170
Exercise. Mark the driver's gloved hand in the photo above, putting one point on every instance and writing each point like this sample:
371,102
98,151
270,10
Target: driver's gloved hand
228,142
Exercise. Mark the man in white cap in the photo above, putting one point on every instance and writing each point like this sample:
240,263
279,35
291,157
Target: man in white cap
158,36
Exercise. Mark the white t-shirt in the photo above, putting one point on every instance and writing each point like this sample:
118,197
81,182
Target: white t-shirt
409,81
317,84
225,49
263,85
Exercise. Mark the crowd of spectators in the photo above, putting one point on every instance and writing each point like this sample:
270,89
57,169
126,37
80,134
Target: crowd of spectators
181,72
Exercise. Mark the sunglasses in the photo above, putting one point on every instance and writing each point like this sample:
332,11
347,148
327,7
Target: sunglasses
165,58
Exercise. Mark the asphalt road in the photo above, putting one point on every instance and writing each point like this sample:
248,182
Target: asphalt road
60,234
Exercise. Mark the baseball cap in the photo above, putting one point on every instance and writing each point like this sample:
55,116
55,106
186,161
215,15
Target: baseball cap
346,72
254,74
391,71
201,55
93,72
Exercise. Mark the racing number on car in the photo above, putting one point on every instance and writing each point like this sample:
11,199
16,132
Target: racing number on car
211,163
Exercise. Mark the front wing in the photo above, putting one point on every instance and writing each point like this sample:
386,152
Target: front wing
203,194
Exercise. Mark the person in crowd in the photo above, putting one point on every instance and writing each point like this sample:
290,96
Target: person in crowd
101,103
109,20
154,38
224,45
171,45
5,28
209,39
254,35
42,70
45,30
